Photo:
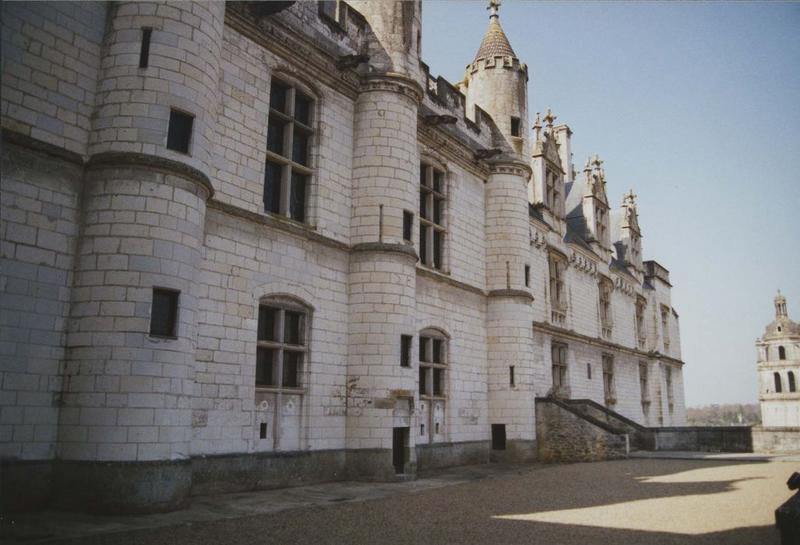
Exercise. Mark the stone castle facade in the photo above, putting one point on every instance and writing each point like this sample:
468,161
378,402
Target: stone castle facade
255,244
779,370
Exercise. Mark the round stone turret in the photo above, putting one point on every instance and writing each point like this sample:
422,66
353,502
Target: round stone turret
129,373
497,82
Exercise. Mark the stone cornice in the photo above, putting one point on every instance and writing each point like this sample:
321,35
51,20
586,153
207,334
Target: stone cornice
395,83
445,279
386,248
123,159
295,48
440,141
595,341
522,294
510,166
276,222
25,141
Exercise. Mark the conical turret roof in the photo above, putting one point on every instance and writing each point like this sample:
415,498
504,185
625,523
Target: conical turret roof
494,41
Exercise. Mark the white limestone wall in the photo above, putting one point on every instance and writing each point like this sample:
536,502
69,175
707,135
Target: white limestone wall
133,104
465,245
39,214
462,315
51,60
245,261
241,139
126,394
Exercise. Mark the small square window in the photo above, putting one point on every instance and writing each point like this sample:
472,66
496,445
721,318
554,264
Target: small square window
164,312
180,131
405,350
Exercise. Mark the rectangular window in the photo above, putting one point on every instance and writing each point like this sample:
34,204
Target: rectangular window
432,202
287,172
281,345
557,266
608,379
164,313
144,52
408,225
665,326
670,399
589,371
643,383
641,304
511,379
179,134
527,276
558,357
263,430
432,379
405,350
515,126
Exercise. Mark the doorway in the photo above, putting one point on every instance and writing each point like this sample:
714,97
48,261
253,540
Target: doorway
399,444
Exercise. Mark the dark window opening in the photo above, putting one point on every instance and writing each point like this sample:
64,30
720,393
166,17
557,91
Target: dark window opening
405,350
792,384
291,365
498,437
272,188
297,201
144,52
408,225
589,371
281,345
164,312
511,378
515,126
438,379
265,375
781,353
423,381
527,276
263,430
180,131
778,385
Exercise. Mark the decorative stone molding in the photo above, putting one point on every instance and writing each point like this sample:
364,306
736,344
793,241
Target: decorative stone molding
510,167
395,83
384,247
126,159
436,138
298,51
538,240
18,139
511,293
625,287
583,263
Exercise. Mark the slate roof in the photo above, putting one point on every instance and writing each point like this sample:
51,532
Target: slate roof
494,42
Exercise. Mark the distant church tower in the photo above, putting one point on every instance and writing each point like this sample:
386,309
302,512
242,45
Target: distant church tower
779,369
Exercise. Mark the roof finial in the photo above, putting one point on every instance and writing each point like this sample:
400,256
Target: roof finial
537,126
493,7
549,118
780,306
630,198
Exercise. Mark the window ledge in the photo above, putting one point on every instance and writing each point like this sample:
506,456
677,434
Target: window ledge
162,337
276,390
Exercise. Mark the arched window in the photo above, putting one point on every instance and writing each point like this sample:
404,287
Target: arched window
282,345
778,386
433,359
781,353
792,385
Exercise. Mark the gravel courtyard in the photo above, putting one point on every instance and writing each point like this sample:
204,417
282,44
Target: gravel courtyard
635,501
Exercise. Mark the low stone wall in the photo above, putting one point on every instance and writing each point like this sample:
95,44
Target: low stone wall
640,437
776,440
704,438
566,435
440,455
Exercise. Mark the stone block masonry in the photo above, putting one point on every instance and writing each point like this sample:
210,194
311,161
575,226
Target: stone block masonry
396,314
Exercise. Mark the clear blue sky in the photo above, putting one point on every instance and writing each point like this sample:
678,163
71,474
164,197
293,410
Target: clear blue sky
697,107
